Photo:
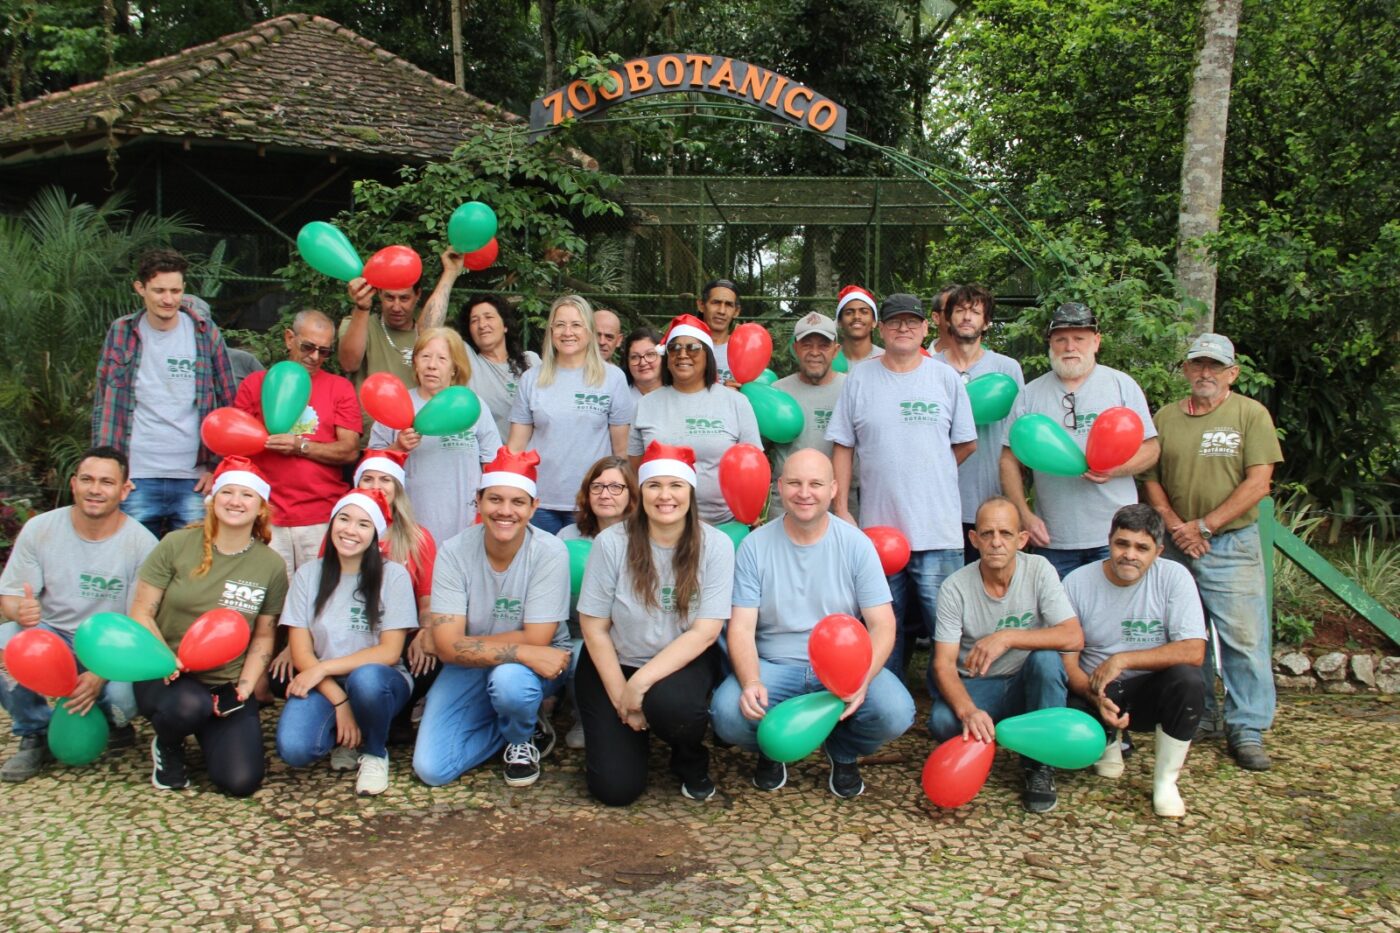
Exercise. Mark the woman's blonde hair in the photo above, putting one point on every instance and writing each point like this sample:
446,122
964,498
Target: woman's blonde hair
262,531
593,367
456,351
405,535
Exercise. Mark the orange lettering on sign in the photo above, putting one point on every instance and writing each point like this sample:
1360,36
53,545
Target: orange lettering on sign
555,103
823,123
724,74
789,108
697,64
669,71
638,75
755,83
778,86
613,92
585,103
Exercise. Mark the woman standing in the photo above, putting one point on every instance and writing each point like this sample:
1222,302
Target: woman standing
693,409
643,361
347,615
655,596
494,338
572,409
223,562
442,470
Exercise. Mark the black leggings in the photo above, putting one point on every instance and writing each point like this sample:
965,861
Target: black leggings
1173,698
677,709
232,745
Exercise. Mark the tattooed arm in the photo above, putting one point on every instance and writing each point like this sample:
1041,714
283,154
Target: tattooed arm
145,604
528,646
259,655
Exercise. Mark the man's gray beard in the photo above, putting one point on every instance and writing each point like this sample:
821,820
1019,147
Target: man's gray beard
1071,370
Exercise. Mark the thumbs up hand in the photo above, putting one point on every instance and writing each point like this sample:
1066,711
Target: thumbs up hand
29,609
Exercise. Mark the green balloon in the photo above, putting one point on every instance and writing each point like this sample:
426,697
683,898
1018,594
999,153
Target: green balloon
451,411
992,396
471,227
578,561
285,391
778,414
326,250
767,378
737,532
795,728
74,739
841,364
116,647
1059,737
1042,444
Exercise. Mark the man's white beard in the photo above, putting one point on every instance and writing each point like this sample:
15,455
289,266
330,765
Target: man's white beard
1071,370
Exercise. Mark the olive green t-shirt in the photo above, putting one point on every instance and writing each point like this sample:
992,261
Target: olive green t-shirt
386,351
1204,456
253,583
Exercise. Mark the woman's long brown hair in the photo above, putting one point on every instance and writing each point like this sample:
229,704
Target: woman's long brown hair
685,559
583,506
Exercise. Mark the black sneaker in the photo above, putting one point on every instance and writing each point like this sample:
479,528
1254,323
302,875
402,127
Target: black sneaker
1039,795
168,766
769,774
845,779
121,738
698,788
522,764
544,738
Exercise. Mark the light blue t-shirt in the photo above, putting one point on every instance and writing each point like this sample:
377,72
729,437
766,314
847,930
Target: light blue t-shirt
342,628
1163,606
534,588
794,586
902,427
967,612
979,476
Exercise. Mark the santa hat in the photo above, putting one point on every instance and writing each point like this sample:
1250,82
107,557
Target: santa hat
240,471
374,504
688,325
382,461
667,460
854,293
511,469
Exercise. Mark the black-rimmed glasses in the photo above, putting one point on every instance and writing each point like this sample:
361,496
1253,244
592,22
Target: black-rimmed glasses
1067,403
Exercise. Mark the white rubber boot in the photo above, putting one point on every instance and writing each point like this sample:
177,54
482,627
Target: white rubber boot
1171,755
1110,763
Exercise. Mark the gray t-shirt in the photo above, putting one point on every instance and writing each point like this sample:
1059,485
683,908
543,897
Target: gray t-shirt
902,427
966,613
243,364
571,422
533,589
442,474
72,577
722,371
710,422
165,422
1162,607
639,633
1077,512
496,386
817,404
342,627
979,476
876,351
795,586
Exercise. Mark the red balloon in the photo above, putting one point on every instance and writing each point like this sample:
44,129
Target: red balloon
956,770
216,638
232,432
892,547
924,351
43,662
386,399
394,267
744,480
482,258
750,349
1114,438
840,651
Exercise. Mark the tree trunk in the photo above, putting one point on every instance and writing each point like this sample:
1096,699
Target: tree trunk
459,71
1203,161
547,39
823,272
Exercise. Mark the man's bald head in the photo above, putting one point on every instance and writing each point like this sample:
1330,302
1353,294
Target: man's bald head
608,326
808,462
807,487
998,506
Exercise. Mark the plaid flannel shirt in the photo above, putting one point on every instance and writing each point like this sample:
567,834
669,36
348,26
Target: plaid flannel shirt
114,400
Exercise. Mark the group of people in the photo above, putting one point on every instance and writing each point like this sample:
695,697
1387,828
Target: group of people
427,578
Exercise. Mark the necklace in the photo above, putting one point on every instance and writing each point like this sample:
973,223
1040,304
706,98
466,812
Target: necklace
405,352
244,549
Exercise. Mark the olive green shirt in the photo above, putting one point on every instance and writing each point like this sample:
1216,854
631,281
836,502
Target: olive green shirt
386,351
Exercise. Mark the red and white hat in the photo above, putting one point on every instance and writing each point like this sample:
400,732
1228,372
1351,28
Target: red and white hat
382,461
374,504
240,471
688,325
854,293
667,460
511,469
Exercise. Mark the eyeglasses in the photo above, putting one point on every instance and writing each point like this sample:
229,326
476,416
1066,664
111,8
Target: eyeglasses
311,349
612,489
651,356
562,326
1067,403
689,349
904,322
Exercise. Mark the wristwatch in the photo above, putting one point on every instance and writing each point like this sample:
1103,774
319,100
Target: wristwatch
1203,528
305,445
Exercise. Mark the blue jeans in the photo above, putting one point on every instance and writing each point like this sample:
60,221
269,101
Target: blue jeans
886,714
306,729
1041,683
1230,577
164,505
30,712
471,712
551,520
925,573
1067,560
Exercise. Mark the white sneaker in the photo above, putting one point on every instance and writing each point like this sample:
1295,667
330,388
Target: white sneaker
344,759
374,776
574,737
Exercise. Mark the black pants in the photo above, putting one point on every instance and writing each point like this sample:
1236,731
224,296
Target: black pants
677,709
1173,698
232,745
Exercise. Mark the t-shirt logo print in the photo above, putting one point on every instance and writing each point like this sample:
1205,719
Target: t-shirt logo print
592,401
701,427
98,586
507,611
1142,631
823,418
1016,621
1220,442
243,596
179,368
668,599
464,440
359,620
307,422
916,411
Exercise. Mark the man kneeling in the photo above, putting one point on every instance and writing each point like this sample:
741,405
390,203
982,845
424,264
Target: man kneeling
1144,641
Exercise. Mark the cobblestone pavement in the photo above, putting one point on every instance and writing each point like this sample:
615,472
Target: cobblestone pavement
1312,845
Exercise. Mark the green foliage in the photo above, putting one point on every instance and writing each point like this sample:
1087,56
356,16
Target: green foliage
1291,628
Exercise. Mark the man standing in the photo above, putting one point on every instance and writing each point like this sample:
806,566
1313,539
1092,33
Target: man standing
1144,640
381,343
939,312
609,329
161,371
815,387
304,465
1218,456
855,310
968,317
788,575
1002,622
909,421
67,565
1070,523
718,307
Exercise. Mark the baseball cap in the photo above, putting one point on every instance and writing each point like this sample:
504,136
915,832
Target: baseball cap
1213,346
814,323
901,303
1073,314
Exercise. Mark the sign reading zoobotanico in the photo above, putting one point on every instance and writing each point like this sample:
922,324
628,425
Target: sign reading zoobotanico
705,74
